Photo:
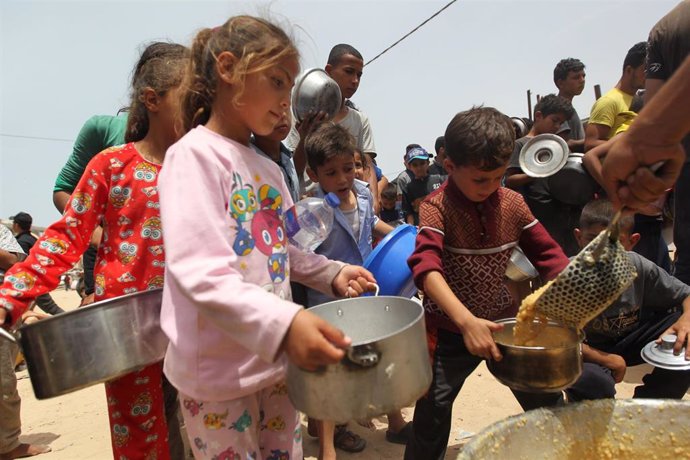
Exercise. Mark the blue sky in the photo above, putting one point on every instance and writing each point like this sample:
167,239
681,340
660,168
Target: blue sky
63,61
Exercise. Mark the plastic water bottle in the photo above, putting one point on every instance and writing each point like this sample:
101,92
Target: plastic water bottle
308,223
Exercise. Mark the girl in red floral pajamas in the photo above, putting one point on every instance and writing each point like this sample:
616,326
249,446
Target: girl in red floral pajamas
119,191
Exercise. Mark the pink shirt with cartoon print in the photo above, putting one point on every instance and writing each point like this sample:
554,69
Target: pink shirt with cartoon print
226,300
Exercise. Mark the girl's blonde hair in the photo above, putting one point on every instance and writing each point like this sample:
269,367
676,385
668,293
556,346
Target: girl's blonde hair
256,43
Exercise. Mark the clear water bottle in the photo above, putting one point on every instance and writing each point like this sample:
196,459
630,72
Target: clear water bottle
308,223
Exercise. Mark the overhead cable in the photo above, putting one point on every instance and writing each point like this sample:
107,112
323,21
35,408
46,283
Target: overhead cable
410,32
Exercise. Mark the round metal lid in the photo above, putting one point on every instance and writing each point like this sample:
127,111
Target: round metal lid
662,356
543,155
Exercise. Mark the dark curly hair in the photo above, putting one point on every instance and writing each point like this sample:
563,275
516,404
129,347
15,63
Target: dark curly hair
482,137
551,104
565,66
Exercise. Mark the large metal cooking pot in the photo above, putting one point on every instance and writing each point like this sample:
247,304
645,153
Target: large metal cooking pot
572,184
91,345
315,91
387,366
551,364
635,429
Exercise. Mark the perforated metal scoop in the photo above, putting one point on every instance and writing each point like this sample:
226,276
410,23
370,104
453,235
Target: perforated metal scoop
595,277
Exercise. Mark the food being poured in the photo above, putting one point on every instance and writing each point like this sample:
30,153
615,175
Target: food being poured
593,279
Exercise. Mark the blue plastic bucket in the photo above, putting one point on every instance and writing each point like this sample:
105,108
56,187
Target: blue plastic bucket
388,262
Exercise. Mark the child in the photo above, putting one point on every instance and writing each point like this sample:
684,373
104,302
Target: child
361,164
390,213
345,66
646,311
226,300
420,186
119,189
467,231
272,147
331,157
558,218
437,165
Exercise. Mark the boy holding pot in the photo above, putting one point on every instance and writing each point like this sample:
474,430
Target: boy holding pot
467,231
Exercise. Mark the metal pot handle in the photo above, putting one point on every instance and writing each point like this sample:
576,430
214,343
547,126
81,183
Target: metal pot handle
363,355
376,290
4,334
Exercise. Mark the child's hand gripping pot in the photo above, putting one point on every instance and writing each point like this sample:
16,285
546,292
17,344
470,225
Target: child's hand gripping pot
311,341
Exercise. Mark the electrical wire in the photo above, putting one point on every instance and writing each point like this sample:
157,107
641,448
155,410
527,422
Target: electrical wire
410,32
19,136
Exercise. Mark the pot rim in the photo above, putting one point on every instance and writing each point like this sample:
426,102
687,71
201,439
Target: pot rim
580,336
414,321
107,304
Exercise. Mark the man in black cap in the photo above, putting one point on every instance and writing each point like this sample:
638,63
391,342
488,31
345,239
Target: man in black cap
21,226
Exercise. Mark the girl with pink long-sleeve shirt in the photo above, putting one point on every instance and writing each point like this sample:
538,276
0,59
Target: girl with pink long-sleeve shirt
226,300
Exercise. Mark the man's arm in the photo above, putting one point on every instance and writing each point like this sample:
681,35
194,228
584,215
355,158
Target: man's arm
595,134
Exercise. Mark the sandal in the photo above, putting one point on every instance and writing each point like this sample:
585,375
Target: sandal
402,436
348,441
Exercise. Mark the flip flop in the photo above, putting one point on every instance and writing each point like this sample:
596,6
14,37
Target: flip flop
402,436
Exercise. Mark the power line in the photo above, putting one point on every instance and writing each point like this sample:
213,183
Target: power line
410,32
19,136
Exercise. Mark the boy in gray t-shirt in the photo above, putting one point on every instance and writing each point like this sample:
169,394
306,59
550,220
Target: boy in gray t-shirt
656,304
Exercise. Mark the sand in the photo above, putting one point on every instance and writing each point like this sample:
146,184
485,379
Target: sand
76,425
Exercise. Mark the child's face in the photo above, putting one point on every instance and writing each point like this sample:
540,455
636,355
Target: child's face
477,185
337,176
169,114
585,236
266,97
387,203
548,124
347,74
359,166
573,84
420,168
282,129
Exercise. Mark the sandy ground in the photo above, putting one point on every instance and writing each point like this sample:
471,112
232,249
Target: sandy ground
76,425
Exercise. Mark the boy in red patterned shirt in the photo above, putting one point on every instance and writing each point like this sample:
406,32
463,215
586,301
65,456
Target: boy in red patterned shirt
467,231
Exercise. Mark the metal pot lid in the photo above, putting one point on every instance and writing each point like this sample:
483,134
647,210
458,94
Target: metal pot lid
543,155
662,356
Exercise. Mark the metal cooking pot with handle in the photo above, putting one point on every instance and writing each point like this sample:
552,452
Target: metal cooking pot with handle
572,184
636,429
387,366
93,344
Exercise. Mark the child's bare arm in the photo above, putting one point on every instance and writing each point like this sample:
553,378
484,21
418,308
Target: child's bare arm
516,178
681,329
382,229
477,333
611,361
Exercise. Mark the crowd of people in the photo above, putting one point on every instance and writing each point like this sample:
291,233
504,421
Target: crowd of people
208,136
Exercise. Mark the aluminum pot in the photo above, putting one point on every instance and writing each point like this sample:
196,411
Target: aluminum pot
552,364
543,155
636,429
572,184
386,368
315,91
519,267
93,344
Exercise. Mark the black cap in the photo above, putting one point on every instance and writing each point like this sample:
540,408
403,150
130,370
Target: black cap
22,218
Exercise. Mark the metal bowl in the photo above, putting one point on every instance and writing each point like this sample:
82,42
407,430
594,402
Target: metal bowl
521,126
572,184
315,91
543,155
519,267
636,429
551,365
